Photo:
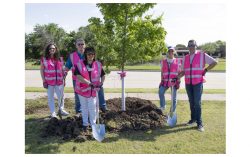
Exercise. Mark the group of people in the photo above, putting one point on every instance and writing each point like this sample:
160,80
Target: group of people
88,77
192,66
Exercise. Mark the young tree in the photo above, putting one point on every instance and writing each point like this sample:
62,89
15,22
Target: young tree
127,35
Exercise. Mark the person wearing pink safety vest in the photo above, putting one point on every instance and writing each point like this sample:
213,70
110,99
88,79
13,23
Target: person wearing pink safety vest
89,76
72,60
194,70
52,74
170,67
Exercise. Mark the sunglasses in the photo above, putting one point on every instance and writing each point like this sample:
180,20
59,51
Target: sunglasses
90,54
52,48
191,45
80,44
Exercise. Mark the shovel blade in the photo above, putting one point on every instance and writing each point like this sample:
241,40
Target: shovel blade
172,120
98,132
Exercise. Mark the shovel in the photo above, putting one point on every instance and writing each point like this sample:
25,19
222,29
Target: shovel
98,130
172,116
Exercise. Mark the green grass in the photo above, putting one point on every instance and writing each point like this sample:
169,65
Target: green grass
127,90
147,67
178,140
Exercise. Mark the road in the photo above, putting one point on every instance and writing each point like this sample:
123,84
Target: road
134,79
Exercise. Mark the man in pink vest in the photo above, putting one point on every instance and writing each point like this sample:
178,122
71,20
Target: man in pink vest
72,60
71,63
194,69
170,67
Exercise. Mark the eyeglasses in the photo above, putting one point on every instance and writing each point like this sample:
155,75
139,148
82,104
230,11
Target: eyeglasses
90,54
191,45
80,44
52,48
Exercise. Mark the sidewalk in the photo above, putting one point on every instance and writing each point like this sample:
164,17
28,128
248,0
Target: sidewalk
148,96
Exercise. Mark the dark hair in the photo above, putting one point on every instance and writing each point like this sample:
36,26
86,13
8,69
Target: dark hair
47,54
89,50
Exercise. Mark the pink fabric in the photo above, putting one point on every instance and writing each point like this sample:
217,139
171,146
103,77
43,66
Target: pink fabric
122,74
169,74
196,72
53,71
84,89
74,60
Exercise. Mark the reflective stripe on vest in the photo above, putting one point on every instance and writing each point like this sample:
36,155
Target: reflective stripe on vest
83,90
53,78
166,73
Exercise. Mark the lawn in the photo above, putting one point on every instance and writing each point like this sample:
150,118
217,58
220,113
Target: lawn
144,67
178,140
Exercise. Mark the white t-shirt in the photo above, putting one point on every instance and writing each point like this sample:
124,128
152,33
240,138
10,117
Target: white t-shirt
169,61
208,59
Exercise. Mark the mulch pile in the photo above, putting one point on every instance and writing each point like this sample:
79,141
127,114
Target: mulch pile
140,114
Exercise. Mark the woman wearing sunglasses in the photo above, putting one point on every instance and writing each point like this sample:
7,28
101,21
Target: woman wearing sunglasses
52,75
90,75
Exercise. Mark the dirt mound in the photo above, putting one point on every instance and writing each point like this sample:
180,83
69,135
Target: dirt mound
140,114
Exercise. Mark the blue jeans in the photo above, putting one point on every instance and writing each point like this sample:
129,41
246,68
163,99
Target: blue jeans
194,95
162,91
102,102
77,101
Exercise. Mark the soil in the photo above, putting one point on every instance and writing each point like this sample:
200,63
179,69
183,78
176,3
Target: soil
140,114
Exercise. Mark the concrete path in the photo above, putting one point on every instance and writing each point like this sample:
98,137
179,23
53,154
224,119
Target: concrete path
134,79
148,96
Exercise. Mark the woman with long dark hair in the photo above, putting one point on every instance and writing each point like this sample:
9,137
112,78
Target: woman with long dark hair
52,74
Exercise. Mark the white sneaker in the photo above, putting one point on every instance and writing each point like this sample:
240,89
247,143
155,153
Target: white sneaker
201,128
53,115
162,109
64,113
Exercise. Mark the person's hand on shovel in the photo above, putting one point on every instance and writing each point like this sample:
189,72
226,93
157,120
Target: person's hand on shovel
45,85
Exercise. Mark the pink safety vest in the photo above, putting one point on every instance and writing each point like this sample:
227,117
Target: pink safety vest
53,71
82,88
168,73
74,60
193,71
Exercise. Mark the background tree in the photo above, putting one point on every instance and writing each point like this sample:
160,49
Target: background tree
221,48
42,35
209,48
181,47
217,48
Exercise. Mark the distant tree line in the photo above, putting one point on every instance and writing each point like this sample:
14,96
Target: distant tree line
217,48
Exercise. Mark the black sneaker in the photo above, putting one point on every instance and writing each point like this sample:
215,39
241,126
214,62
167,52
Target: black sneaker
104,109
84,128
190,123
201,128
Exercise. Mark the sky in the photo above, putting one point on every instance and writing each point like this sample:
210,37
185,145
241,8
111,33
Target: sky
204,22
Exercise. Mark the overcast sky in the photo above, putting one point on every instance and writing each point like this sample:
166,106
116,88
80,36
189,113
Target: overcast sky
204,22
